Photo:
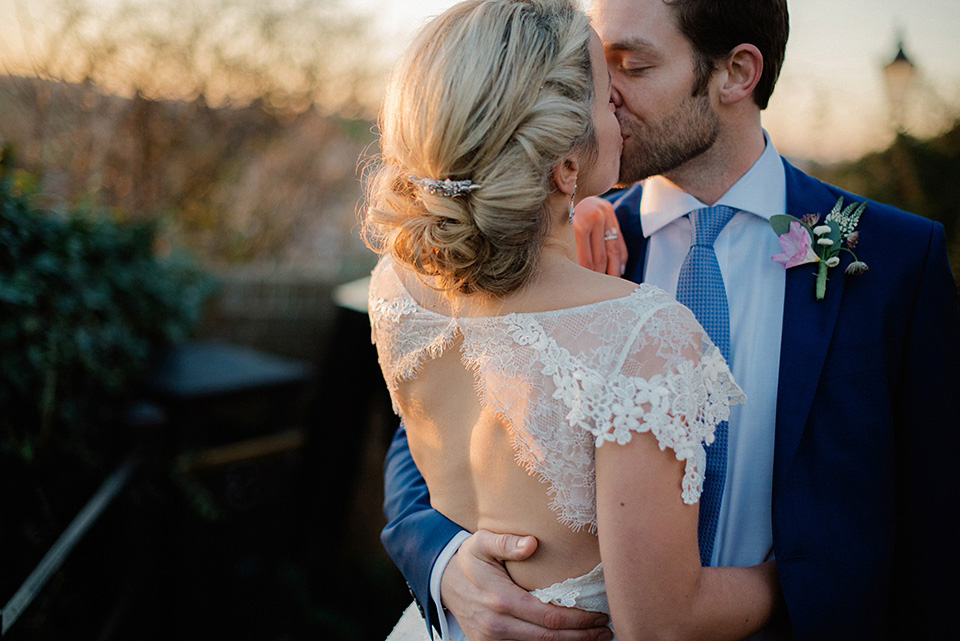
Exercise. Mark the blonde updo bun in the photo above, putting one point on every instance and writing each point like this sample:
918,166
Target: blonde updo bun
492,91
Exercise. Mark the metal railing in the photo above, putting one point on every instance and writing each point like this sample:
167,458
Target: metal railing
59,551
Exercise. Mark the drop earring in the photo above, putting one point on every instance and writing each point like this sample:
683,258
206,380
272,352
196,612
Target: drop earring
572,197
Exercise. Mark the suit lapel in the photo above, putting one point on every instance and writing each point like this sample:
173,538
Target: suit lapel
626,204
807,326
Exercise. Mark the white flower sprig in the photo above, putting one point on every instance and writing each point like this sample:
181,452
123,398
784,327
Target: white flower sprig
807,240
846,219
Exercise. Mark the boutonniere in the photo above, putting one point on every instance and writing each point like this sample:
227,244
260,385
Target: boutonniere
808,240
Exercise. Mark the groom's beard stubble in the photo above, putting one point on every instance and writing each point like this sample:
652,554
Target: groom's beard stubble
653,149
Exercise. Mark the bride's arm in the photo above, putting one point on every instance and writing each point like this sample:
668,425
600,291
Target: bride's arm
647,508
656,586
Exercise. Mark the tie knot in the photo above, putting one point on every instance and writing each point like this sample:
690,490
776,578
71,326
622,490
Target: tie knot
708,222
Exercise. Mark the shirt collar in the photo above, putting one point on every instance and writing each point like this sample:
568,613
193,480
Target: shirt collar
761,191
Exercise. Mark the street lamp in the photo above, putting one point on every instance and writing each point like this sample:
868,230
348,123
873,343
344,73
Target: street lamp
900,75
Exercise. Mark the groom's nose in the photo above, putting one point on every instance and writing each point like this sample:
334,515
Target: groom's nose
617,98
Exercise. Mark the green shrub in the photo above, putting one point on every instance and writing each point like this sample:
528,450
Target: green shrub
84,304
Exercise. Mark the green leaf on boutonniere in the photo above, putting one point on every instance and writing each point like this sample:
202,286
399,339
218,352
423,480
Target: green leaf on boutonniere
781,223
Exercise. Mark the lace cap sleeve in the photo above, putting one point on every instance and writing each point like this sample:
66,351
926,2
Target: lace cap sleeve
672,382
405,333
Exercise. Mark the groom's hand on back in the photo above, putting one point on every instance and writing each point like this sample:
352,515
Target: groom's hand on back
593,221
489,606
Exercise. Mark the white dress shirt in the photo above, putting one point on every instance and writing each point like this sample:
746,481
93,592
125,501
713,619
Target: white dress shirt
755,293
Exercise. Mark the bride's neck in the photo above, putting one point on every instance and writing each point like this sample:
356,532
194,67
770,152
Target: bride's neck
557,254
560,242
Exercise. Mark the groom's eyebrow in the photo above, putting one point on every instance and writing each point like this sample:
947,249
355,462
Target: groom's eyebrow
631,44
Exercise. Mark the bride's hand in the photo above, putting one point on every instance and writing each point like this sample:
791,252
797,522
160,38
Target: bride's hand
489,606
600,246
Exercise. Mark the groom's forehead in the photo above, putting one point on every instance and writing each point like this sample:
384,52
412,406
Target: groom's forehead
648,9
635,25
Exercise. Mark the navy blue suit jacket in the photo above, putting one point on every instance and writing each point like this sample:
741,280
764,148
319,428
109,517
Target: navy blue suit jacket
867,434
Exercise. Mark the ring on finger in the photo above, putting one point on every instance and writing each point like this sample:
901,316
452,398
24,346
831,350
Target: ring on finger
610,234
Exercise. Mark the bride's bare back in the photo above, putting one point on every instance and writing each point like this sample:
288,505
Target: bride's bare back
464,446
464,452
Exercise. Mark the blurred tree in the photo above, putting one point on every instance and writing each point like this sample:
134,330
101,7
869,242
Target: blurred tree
85,304
290,54
235,120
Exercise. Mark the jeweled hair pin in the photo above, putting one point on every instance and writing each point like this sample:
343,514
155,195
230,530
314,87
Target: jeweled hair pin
446,187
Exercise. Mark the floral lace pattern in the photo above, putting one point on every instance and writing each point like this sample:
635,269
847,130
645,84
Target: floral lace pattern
567,381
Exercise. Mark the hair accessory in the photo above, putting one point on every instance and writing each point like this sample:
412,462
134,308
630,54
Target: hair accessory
447,187
573,197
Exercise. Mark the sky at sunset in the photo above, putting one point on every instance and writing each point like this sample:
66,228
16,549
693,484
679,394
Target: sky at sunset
830,102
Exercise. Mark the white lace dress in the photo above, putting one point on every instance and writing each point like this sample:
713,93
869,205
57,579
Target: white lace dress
570,380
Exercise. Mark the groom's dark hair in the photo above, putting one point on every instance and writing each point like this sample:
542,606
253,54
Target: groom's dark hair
715,27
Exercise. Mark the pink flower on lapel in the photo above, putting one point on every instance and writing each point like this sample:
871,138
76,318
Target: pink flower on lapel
797,247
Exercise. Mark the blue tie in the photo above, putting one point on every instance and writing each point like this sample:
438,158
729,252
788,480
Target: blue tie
700,287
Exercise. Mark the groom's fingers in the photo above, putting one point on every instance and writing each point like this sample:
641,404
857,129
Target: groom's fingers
502,547
567,624
489,606
524,631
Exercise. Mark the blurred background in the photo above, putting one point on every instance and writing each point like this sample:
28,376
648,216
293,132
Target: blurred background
192,421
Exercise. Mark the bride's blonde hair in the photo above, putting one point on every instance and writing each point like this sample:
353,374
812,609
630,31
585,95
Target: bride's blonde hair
492,91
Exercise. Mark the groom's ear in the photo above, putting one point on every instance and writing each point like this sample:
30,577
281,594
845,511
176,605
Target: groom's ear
565,174
739,73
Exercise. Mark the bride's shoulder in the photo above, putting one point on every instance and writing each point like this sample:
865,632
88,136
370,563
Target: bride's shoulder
587,286
577,286
383,271
383,283
579,290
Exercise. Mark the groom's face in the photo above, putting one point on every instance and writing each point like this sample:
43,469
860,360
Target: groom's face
663,123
